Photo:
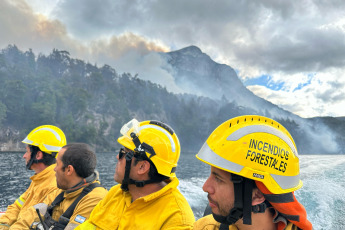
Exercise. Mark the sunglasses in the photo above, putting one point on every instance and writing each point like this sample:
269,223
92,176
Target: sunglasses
122,153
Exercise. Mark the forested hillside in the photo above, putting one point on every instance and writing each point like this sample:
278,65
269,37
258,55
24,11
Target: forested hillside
91,103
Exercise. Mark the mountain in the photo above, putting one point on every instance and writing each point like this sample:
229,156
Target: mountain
91,103
196,73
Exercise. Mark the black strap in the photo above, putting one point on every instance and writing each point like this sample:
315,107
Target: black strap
125,181
223,227
140,154
208,211
65,217
147,148
135,140
142,183
34,150
57,201
261,208
280,198
68,213
243,188
236,212
247,201
238,189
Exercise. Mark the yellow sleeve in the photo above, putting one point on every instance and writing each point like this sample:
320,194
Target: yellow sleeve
86,226
24,223
13,210
84,208
174,222
27,217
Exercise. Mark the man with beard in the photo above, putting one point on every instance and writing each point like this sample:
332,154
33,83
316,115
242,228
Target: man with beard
79,194
254,172
42,145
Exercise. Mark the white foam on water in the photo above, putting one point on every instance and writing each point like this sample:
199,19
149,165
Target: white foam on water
316,164
320,197
192,190
323,189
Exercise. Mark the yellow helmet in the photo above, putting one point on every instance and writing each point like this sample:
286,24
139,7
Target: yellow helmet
257,148
48,138
157,139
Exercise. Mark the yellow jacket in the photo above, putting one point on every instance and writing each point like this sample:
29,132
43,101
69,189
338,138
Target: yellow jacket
164,209
81,212
41,185
209,223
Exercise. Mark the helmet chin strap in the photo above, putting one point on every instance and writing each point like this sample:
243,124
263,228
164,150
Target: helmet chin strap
236,212
140,149
34,150
243,208
32,157
125,181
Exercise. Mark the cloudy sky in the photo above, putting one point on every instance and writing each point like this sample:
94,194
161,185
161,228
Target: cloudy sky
291,53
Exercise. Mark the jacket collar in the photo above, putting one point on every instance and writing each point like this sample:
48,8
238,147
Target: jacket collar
44,175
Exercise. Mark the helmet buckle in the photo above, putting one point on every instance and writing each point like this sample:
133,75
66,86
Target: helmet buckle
234,215
259,208
129,156
140,183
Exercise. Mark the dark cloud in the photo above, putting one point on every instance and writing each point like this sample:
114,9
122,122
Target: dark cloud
333,94
309,50
169,20
93,18
284,39
273,35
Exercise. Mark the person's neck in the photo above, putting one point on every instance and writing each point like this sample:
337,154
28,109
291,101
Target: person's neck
75,182
262,221
38,167
137,192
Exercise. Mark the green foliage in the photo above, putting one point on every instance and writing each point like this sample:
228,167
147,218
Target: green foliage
13,95
91,104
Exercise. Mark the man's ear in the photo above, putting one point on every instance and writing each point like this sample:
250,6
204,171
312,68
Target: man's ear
69,170
39,155
143,167
257,197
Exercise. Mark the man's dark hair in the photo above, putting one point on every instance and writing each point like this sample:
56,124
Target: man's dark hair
153,173
48,159
81,157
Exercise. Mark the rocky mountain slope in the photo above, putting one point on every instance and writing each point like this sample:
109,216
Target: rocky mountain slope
91,103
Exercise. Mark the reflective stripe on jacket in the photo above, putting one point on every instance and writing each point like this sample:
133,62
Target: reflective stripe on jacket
41,185
81,212
20,201
209,223
164,209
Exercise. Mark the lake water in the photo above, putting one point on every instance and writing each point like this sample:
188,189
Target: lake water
322,193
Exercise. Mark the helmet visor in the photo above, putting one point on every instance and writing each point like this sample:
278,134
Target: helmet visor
130,127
